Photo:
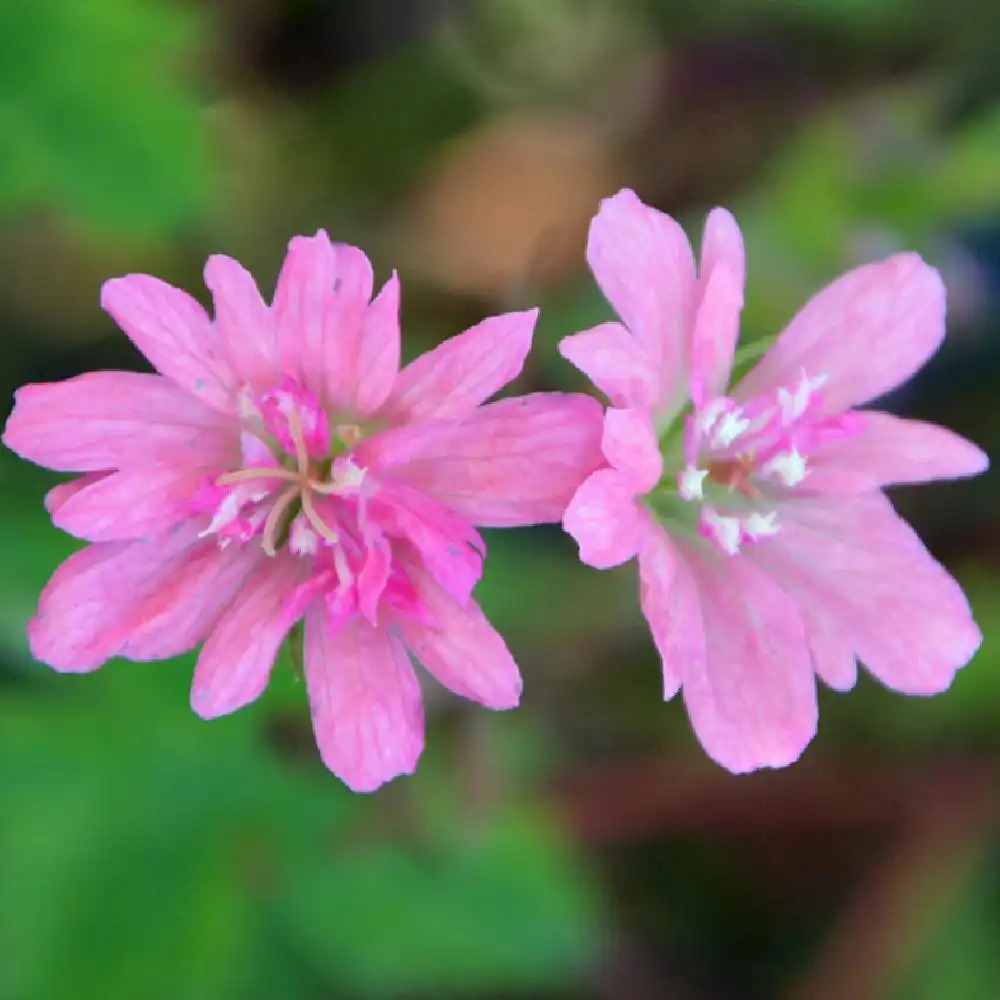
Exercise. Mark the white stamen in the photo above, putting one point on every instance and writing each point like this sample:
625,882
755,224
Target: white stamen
226,511
726,532
302,539
794,403
758,525
322,528
272,523
789,466
689,483
706,418
732,425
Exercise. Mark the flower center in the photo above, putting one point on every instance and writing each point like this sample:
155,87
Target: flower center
289,470
742,460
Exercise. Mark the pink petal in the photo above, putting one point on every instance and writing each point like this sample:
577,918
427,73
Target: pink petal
319,306
868,332
461,649
643,263
87,610
514,462
669,602
615,362
449,546
830,645
630,444
130,504
378,350
605,520
366,706
722,246
752,699
243,321
892,450
58,495
857,562
235,663
716,330
374,575
175,333
454,378
187,607
107,420
277,407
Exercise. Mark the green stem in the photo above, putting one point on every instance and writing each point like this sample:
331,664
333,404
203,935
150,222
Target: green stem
749,353
295,650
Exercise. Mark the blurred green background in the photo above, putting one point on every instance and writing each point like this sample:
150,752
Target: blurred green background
583,846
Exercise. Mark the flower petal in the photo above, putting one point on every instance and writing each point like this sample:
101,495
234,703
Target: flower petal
461,649
455,377
868,332
187,607
716,330
670,605
88,609
108,420
629,443
449,546
832,653
130,504
175,333
367,710
890,450
861,564
605,520
514,462
60,494
320,304
752,700
235,663
721,246
243,321
378,350
615,362
644,265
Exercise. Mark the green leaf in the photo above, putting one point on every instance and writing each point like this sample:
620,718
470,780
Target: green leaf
94,116
501,906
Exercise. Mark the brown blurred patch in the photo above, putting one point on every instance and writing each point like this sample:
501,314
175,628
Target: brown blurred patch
504,212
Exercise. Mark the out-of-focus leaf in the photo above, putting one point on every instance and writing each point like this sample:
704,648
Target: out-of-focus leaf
416,104
499,905
138,844
95,117
867,179
963,959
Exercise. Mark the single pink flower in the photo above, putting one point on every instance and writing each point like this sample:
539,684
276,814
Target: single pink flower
281,466
767,551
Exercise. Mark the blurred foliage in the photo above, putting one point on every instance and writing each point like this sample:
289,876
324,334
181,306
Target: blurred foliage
94,117
145,853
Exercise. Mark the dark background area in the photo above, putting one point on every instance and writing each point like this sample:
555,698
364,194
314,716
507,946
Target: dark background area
583,846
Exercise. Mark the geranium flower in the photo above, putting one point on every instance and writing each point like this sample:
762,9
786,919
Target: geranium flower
767,552
280,466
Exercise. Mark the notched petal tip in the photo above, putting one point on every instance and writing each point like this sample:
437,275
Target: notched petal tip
319,240
365,782
604,520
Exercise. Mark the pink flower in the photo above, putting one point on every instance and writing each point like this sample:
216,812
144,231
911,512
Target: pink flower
767,551
281,466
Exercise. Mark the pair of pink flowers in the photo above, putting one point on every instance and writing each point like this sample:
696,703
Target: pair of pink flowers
282,469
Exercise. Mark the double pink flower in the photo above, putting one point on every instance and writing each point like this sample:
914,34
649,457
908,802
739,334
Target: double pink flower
281,469
281,466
